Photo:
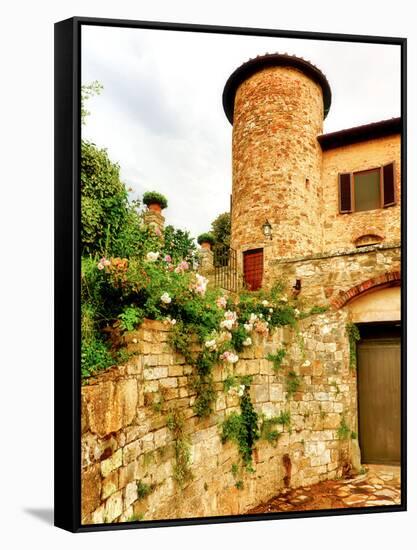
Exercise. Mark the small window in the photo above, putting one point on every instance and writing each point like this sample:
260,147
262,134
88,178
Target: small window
367,240
367,190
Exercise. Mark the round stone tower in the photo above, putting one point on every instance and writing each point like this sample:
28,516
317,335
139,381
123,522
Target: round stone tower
276,104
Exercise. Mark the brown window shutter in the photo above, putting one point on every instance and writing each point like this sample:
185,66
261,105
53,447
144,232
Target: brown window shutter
345,193
388,185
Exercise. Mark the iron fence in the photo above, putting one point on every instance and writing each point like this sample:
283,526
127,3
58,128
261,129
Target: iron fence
225,268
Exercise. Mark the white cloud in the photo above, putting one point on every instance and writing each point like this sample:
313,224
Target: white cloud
160,114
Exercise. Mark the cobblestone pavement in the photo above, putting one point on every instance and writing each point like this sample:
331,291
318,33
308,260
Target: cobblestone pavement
379,486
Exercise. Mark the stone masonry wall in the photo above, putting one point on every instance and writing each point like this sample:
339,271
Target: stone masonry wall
341,230
327,277
125,437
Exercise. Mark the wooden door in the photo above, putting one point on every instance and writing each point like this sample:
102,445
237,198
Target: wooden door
253,268
379,393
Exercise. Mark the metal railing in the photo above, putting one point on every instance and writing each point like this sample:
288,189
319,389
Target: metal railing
225,268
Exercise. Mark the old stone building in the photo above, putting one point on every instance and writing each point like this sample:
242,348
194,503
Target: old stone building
321,213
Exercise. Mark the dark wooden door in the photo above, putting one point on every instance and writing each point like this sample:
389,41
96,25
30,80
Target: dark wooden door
379,393
253,268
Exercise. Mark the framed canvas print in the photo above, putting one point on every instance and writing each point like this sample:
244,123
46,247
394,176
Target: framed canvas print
230,294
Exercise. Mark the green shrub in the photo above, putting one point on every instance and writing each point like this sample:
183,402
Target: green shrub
206,238
153,197
94,357
130,317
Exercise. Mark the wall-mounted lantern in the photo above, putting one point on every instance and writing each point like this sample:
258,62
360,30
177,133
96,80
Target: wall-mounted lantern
267,229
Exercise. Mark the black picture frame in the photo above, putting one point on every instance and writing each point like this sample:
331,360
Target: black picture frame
67,269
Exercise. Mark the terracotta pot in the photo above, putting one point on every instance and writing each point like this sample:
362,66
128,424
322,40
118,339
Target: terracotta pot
206,245
155,207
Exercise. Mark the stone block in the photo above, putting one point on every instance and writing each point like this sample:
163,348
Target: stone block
331,421
175,370
148,442
113,507
155,373
169,383
110,405
150,360
98,515
127,474
130,494
276,392
110,484
161,437
261,393
132,451
90,489
111,463
220,402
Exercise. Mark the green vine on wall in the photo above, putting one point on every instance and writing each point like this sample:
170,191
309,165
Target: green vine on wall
176,424
276,359
293,383
354,337
343,431
242,428
267,427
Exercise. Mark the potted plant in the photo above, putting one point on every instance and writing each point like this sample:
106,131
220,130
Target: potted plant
155,201
206,240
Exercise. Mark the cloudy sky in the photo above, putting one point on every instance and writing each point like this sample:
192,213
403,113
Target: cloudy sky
160,115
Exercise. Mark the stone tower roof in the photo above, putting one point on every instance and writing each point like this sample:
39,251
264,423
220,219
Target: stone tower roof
272,60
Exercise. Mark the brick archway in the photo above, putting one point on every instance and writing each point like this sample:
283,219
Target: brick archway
391,278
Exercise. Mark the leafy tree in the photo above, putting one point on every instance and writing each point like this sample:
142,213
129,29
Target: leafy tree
220,228
109,223
179,244
87,91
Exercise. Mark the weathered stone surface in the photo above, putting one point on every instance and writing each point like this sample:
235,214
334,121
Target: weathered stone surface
144,449
111,463
110,484
111,405
90,489
130,493
355,456
113,507
132,451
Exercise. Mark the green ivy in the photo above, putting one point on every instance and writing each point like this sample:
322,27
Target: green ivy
267,429
276,359
242,428
176,424
343,431
293,383
354,336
